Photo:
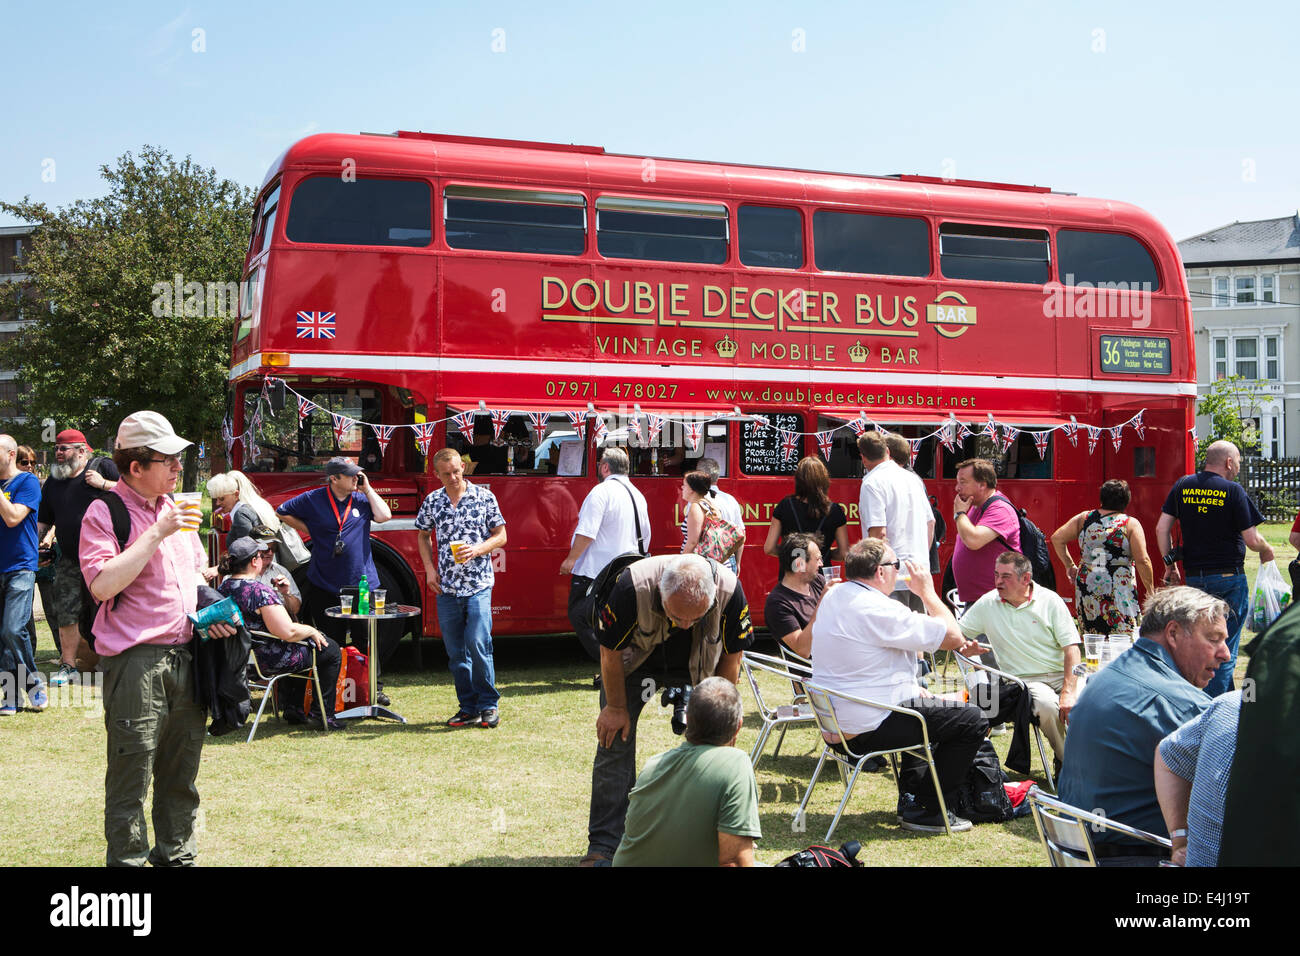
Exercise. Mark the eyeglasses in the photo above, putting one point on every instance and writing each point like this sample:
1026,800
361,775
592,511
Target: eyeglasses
26,462
896,564
66,447
171,461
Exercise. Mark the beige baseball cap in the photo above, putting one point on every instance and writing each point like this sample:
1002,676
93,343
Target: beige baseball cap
150,430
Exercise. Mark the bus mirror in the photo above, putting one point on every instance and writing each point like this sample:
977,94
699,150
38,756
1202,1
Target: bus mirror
275,395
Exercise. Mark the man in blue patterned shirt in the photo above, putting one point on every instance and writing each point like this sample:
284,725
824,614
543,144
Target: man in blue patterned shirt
468,516
1192,768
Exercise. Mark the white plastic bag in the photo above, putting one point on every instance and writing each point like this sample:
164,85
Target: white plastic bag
1270,598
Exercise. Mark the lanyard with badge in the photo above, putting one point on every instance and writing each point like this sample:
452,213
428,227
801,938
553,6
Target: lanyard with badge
342,519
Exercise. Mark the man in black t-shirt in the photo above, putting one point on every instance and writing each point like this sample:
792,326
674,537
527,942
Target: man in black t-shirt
791,607
1218,522
670,621
75,479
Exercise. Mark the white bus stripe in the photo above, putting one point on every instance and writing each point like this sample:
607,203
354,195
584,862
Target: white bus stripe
719,376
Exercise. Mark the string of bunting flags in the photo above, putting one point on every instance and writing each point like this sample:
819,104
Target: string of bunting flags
950,434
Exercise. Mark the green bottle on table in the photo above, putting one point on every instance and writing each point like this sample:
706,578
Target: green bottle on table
363,596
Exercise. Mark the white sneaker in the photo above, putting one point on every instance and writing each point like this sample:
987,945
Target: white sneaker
998,731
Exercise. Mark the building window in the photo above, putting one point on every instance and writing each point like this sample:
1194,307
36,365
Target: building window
1245,290
1247,353
1266,286
1272,364
1221,297
1220,358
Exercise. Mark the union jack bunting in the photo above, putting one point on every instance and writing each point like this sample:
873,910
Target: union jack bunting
316,325
824,442
1192,431
789,443
1094,434
599,430
499,419
1116,435
227,435
424,433
1009,436
305,408
578,421
640,430
1071,432
1040,442
254,452
656,423
539,420
858,426
693,432
915,445
464,422
1138,427
756,425
991,430
383,435
341,424
963,432
946,437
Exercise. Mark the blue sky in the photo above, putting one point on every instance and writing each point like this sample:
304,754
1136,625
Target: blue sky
1184,109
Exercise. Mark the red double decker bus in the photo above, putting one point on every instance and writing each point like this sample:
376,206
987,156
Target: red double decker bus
421,290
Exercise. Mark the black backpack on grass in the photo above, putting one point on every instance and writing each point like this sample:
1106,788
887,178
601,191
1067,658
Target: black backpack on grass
122,530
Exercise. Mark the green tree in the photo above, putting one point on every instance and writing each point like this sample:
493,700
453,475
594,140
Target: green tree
112,340
1231,404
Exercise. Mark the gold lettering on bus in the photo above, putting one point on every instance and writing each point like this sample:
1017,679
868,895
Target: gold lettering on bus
645,300
678,291
595,295
738,295
753,304
711,311
547,283
609,300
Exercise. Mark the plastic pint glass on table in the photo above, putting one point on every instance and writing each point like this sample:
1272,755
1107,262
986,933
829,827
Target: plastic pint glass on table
345,603
1092,650
377,597
191,503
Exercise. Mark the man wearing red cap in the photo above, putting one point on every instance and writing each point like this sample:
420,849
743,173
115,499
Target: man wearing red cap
74,479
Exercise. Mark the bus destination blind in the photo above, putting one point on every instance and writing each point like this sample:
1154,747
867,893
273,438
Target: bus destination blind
1135,355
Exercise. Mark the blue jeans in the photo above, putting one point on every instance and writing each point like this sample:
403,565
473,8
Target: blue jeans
16,589
1232,588
466,625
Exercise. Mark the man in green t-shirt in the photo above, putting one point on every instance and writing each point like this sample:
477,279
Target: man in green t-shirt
1034,638
696,805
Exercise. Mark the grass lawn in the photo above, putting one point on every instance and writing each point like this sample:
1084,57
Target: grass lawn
385,794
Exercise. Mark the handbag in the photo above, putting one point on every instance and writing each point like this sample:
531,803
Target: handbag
719,538
293,553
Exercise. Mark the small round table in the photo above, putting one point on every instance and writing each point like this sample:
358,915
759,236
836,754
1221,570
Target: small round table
393,612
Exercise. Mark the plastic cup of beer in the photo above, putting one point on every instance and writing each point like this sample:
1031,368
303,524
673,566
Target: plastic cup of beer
830,573
191,503
1092,650
377,597
345,603
456,548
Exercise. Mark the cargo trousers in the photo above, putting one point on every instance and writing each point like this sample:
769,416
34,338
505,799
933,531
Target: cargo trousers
155,732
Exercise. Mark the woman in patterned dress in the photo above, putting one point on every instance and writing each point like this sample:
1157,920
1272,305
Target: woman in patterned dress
263,610
1112,546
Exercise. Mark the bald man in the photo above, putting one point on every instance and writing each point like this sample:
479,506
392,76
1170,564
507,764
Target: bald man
1218,522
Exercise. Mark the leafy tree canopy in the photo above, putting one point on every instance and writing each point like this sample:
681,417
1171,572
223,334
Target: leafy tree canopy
1230,403
112,341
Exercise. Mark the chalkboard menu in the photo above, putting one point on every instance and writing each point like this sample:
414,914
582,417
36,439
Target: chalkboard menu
760,452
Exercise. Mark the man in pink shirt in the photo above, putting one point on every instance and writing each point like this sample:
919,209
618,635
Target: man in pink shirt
142,633
987,525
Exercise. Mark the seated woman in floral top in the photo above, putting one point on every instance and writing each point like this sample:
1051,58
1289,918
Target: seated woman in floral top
263,610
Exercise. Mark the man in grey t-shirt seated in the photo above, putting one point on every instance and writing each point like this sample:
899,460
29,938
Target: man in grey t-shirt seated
696,805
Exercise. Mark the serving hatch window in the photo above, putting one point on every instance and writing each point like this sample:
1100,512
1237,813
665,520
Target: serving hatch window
670,452
846,460
1020,460
285,443
519,450
661,230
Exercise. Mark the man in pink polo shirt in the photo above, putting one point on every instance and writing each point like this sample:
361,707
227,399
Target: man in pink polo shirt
142,633
987,526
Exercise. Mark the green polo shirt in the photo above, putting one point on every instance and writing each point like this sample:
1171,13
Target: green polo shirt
1029,639
680,802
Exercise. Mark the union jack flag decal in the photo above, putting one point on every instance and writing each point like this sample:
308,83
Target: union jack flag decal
316,325
424,433
824,442
499,419
1040,442
539,420
465,422
789,443
578,421
383,434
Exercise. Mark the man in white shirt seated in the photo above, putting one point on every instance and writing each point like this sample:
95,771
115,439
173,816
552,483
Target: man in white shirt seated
1034,638
864,645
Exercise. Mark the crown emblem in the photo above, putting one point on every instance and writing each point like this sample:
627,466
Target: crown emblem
858,353
726,346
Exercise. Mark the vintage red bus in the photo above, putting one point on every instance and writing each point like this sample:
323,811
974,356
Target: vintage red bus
403,280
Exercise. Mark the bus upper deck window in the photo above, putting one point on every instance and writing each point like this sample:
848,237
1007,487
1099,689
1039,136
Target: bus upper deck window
660,230
871,245
515,220
993,253
367,212
1103,259
770,237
